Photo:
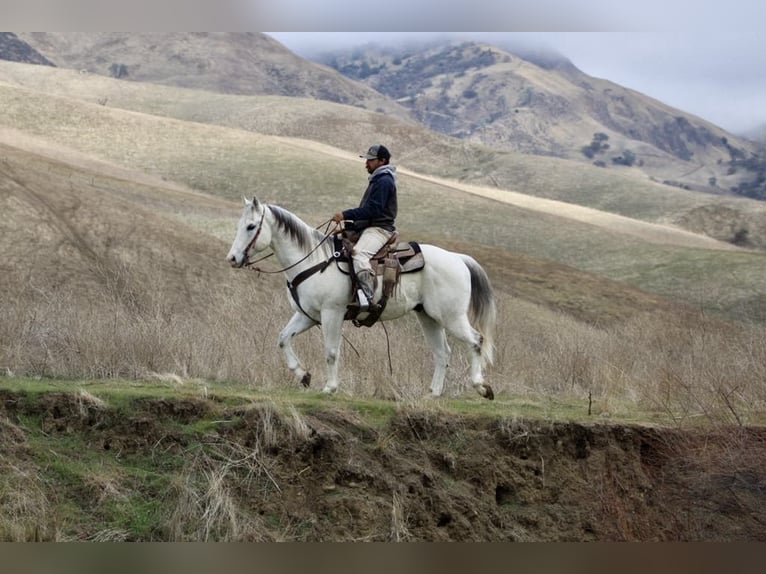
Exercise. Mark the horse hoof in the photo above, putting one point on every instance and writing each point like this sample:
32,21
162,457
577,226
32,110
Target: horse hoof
329,390
487,392
306,380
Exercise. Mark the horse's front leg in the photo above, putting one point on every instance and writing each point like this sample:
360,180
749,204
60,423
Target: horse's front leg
297,324
332,327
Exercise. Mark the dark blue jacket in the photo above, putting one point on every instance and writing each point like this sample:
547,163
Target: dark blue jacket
378,206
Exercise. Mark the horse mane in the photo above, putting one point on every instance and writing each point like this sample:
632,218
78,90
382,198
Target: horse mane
298,230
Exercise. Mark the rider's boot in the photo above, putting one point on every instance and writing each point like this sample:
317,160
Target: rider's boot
366,290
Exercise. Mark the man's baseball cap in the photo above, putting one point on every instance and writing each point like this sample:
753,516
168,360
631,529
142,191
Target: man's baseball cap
377,152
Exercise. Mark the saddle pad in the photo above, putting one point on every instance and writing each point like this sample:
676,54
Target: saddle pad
409,255
414,263
405,249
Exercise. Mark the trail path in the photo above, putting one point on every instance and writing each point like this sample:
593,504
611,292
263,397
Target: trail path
652,232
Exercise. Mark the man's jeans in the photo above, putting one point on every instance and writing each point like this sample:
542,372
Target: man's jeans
370,242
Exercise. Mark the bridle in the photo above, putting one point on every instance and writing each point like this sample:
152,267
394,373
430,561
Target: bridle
250,245
306,273
255,238
319,267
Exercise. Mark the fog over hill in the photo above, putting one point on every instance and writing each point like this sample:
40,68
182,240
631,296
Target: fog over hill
540,103
706,70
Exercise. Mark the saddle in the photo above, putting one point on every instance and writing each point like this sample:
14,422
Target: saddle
388,264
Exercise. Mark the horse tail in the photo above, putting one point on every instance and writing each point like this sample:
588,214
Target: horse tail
483,309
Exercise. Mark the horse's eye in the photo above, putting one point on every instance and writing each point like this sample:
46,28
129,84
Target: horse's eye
251,226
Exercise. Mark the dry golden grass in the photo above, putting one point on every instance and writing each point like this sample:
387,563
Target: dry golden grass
26,514
110,275
627,192
112,267
680,366
204,505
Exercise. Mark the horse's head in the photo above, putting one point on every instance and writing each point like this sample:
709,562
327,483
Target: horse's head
253,234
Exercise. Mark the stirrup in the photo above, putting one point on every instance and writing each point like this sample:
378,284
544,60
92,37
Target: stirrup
362,300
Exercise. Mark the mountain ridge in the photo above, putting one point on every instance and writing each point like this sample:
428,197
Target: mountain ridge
483,93
225,62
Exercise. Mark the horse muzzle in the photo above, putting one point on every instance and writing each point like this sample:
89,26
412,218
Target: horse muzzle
237,262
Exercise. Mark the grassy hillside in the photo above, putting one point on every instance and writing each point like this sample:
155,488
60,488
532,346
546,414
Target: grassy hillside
317,180
143,395
131,215
110,277
626,191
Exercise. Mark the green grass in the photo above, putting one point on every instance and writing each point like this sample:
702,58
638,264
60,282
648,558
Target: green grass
193,483
121,395
64,460
120,493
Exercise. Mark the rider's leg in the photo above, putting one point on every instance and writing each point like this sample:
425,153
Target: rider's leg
369,243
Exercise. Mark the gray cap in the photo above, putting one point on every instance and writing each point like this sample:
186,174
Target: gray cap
377,152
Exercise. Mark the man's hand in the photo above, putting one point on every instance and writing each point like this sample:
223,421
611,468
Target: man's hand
338,217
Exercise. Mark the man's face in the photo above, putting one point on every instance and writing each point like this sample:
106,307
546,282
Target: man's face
372,164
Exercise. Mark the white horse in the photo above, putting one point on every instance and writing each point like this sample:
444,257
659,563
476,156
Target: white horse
443,293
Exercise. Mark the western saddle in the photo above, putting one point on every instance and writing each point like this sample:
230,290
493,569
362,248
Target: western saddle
388,264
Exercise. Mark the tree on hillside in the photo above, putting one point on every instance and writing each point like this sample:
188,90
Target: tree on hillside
755,167
627,158
597,145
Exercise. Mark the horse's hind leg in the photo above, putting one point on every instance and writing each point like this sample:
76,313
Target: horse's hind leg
461,328
437,338
297,324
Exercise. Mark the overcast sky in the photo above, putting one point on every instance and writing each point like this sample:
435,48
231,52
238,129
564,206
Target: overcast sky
719,76
705,58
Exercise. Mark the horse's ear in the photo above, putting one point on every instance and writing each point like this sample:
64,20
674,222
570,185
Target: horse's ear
255,203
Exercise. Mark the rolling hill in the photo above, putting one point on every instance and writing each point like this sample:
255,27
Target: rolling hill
143,396
193,155
225,62
530,102
540,103
626,193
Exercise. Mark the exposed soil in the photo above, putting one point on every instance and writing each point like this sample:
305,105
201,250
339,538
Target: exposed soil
329,475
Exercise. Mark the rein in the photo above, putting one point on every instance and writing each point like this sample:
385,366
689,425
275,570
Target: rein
303,275
260,226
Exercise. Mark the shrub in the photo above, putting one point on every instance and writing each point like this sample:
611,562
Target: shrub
627,158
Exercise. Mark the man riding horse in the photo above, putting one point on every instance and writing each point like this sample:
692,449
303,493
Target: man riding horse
373,220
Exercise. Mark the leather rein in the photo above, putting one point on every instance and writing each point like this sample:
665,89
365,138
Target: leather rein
303,275
306,273
318,245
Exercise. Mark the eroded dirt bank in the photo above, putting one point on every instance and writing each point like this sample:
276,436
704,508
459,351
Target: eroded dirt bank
192,469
